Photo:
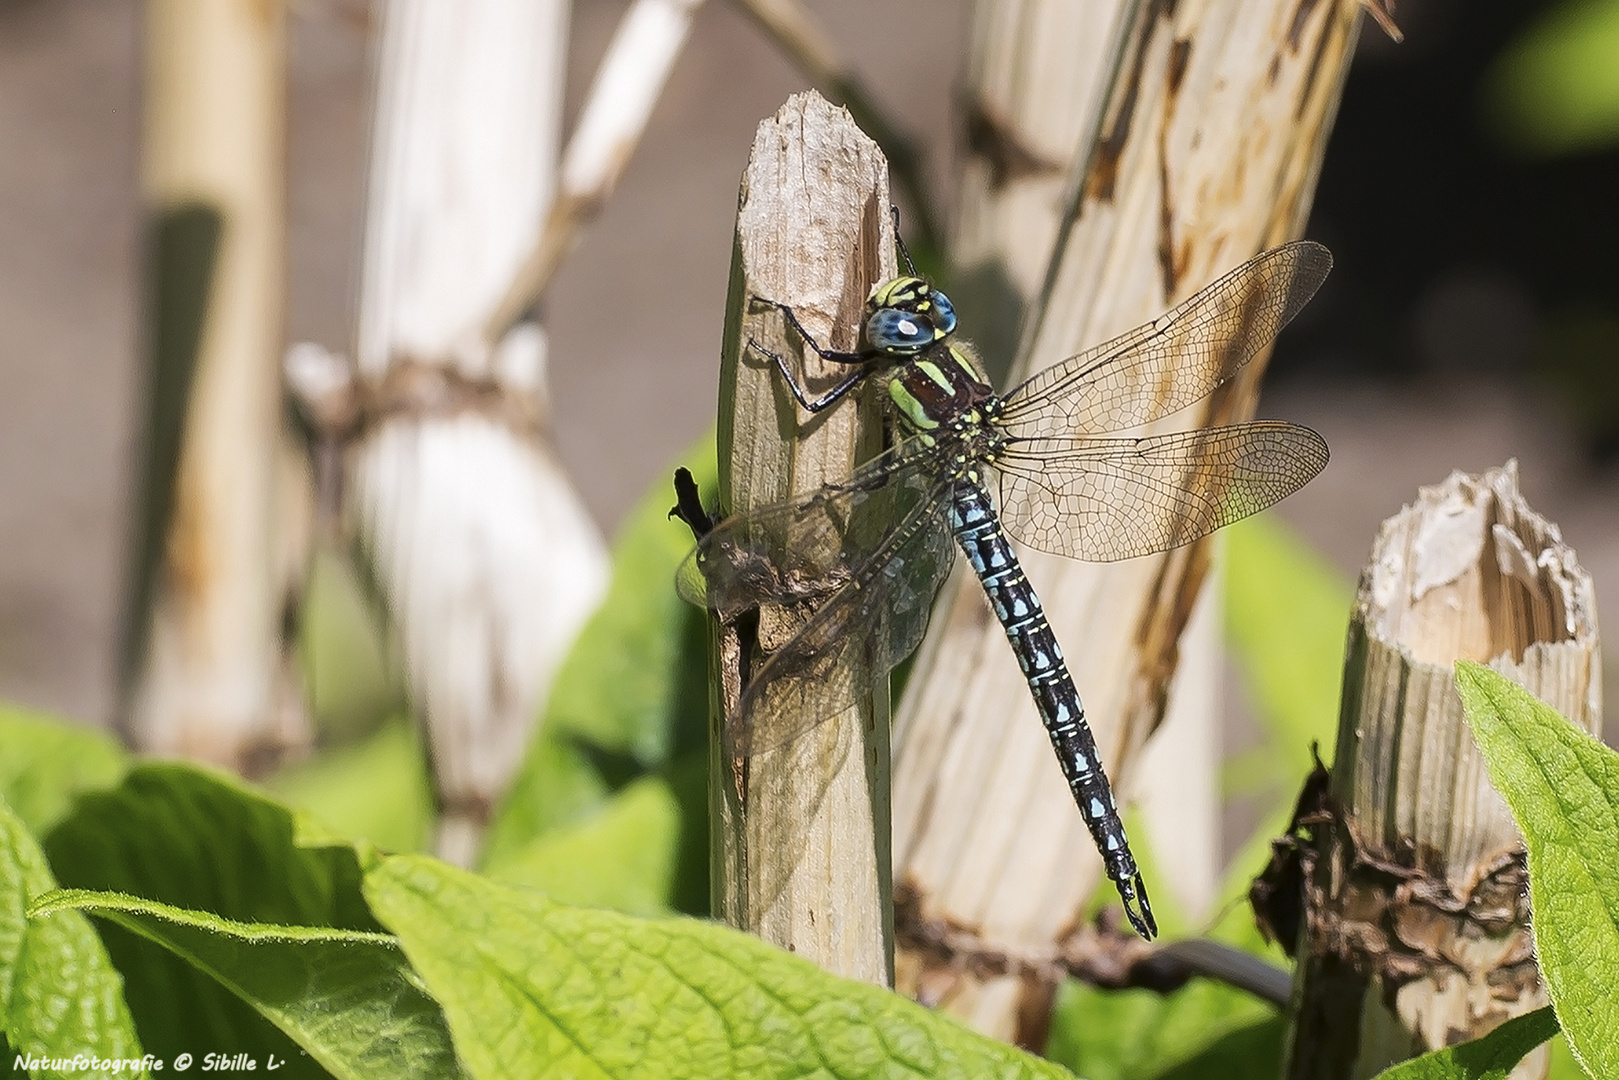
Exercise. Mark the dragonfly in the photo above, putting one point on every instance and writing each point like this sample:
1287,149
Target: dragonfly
861,559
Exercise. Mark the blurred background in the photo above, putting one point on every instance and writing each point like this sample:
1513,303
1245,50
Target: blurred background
1468,196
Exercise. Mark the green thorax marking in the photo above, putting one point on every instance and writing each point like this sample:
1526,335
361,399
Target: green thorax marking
937,387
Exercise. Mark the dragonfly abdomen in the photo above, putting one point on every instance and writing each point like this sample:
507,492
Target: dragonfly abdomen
979,532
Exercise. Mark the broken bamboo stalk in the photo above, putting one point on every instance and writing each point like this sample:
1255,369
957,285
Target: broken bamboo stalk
483,551
628,84
1035,80
800,832
1416,932
203,650
1214,124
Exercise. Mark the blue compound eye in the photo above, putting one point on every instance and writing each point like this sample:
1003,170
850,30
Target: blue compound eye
893,331
944,313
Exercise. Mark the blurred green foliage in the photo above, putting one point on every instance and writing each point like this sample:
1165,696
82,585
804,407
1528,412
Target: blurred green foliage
628,714
47,761
376,789
352,683
1287,613
1556,89
608,807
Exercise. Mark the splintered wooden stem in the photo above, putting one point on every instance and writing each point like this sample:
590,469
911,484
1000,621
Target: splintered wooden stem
801,851
1210,122
1419,899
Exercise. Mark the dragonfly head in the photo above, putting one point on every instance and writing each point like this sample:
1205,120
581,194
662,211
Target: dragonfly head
905,315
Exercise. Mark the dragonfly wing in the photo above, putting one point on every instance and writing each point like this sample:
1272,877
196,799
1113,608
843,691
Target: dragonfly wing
857,636
804,548
1176,359
1107,499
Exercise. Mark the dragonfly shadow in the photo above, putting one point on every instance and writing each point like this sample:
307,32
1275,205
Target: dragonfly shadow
786,791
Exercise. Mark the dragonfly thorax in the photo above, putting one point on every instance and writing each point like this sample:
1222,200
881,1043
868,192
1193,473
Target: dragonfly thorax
906,315
941,392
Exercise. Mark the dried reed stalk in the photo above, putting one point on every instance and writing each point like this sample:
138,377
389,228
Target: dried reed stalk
1211,134
484,554
203,674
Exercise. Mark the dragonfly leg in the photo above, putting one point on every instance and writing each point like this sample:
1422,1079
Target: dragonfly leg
835,356
813,405
899,242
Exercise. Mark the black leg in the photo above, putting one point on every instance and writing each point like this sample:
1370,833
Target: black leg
862,359
813,405
833,355
899,242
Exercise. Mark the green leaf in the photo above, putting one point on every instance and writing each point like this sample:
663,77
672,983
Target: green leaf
1564,1067
558,784
1241,1053
352,683
193,838
59,994
585,994
634,685
347,997
377,789
1139,1034
201,841
622,858
1287,612
621,688
45,762
1095,1032
1563,788
1490,1057
1555,90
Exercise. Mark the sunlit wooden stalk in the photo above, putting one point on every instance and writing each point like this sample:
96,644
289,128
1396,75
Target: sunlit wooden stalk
1036,74
1417,923
203,646
801,831
1212,130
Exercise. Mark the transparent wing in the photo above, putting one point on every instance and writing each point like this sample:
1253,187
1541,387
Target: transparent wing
1106,499
1176,359
799,550
872,623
